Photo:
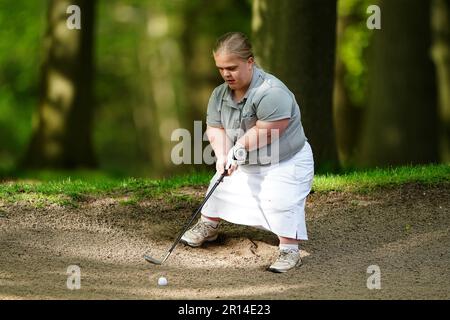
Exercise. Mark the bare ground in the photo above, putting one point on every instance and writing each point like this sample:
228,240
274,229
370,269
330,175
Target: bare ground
403,230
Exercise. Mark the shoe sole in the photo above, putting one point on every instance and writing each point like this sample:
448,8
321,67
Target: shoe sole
274,270
196,245
277,270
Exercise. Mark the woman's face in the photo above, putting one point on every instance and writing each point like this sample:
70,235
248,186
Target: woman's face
236,71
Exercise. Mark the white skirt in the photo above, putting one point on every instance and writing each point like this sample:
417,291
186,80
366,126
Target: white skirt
269,197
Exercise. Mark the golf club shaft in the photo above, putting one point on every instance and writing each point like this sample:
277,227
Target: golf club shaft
194,215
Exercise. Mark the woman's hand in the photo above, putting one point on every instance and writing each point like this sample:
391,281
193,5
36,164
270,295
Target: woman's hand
230,164
235,157
225,163
220,164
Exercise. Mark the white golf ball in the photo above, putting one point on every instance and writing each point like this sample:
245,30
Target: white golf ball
162,281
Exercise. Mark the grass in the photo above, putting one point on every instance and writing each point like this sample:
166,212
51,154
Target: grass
70,188
369,180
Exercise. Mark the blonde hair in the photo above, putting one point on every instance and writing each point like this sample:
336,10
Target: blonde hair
236,43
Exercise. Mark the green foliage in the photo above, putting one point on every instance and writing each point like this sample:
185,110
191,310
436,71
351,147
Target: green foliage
141,51
353,45
22,26
124,53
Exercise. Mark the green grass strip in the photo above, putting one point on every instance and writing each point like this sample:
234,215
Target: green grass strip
69,188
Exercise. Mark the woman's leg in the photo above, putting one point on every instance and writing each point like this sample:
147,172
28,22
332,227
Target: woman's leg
284,240
210,218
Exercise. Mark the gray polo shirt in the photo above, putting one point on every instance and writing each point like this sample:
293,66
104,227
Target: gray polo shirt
267,99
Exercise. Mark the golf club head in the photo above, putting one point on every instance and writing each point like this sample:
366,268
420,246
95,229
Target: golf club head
152,260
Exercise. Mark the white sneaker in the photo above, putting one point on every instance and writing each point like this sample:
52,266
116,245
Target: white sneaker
287,260
199,233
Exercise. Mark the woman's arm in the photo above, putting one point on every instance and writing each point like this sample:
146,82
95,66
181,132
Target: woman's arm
221,144
261,134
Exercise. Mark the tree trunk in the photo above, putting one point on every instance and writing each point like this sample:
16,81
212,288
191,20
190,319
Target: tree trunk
441,57
295,40
62,132
401,119
347,116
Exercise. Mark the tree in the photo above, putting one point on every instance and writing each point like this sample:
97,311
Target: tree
401,118
441,57
295,40
350,82
62,128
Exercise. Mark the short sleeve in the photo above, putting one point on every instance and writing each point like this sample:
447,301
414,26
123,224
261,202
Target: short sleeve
213,118
275,105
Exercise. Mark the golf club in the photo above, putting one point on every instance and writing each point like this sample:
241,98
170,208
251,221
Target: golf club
150,259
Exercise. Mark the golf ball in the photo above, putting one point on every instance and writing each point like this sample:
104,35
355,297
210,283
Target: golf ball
162,281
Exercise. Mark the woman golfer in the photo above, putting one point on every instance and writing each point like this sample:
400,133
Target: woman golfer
254,127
